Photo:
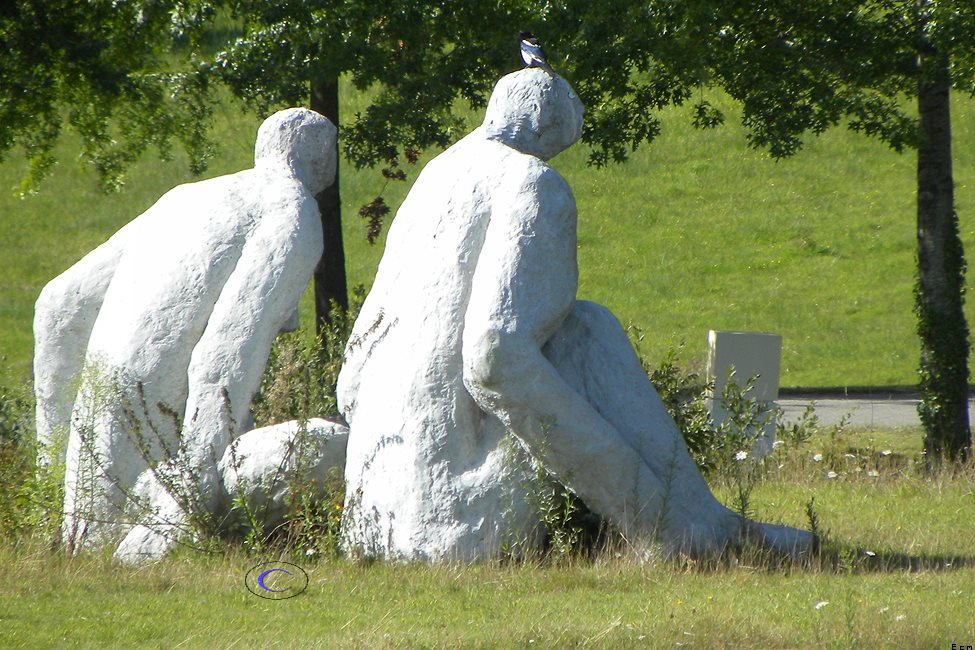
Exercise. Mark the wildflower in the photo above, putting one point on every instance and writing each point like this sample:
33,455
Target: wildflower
741,455
900,617
311,552
817,457
873,473
821,604
886,452
870,553
831,474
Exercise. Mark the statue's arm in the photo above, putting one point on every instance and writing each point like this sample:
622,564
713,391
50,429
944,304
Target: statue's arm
257,300
523,288
64,316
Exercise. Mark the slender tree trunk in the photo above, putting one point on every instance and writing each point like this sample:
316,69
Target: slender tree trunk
941,273
330,281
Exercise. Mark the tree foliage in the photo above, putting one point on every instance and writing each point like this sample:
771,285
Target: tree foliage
104,69
413,58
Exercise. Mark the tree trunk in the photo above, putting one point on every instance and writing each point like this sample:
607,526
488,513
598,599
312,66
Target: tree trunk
941,273
330,281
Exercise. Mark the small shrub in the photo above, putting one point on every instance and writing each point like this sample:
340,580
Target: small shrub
31,492
715,448
684,393
302,370
299,383
570,531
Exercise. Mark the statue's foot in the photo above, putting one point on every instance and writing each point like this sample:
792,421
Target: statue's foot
145,544
782,540
160,530
701,540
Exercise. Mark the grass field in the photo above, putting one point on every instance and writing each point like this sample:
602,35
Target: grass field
696,232
913,592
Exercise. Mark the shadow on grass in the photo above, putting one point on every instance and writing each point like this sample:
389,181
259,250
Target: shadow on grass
828,557
851,559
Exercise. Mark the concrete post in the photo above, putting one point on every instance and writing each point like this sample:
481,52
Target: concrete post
750,354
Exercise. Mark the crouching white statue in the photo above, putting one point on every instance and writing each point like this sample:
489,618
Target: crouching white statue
172,321
472,330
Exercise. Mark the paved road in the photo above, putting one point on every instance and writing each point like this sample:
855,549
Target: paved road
883,411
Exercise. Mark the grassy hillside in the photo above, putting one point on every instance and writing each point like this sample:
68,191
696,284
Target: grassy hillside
696,232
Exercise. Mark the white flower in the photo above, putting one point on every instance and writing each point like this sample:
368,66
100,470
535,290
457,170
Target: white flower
821,604
817,457
873,473
900,617
870,553
831,474
886,452
741,455
777,444
311,551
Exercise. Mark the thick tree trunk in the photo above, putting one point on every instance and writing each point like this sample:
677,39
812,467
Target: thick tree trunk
941,273
330,281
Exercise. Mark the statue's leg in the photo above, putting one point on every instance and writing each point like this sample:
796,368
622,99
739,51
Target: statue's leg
593,354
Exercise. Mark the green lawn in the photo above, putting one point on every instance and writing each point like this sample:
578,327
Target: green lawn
696,232
854,600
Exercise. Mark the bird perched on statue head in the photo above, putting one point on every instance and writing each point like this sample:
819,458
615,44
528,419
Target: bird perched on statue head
532,54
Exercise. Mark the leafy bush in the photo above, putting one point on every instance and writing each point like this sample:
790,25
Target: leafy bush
31,493
303,370
717,449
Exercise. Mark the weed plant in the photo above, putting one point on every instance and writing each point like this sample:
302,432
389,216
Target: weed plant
31,491
303,369
299,384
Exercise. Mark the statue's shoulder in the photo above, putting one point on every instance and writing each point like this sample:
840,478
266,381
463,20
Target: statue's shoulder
530,172
217,186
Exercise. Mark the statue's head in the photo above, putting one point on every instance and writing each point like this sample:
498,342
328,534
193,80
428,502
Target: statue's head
534,112
302,141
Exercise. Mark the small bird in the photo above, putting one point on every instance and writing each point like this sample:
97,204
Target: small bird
532,54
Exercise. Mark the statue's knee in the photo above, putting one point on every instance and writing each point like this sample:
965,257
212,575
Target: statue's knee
597,318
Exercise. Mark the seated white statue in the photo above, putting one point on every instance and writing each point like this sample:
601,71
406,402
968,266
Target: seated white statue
161,334
472,332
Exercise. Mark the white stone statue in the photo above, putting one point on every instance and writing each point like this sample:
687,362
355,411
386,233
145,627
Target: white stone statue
167,327
472,330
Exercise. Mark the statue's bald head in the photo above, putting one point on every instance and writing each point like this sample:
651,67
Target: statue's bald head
302,141
534,112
